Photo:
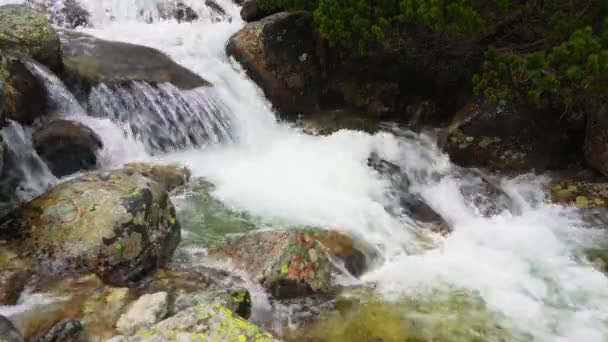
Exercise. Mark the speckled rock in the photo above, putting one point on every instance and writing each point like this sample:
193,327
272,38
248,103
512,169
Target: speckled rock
25,31
509,138
121,227
67,147
203,323
292,263
89,61
23,96
253,10
8,332
143,313
168,176
64,331
278,52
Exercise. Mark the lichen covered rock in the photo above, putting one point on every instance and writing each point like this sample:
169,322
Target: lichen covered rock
119,226
292,263
25,31
206,323
278,52
67,147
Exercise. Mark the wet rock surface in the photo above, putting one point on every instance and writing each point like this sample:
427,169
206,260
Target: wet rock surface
90,61
67,147
292,263
64,331
169,177
28,32
119,226
596,140
23,96
278,52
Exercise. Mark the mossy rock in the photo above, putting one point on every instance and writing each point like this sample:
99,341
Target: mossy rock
442,316
580,194
293,263
203,323
119,226
22,94
26,31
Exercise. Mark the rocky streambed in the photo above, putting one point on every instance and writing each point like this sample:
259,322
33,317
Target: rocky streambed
158,219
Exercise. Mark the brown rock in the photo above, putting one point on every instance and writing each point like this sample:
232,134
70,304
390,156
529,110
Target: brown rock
278,52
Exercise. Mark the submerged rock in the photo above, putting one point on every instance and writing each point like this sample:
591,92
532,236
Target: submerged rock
176,10
26,31
68,13
169,177
278,52
293,263
8,332
67,147
119,226
207,219
89,61
23,96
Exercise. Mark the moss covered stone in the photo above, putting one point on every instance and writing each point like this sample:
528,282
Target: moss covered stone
117,225
25,31
580,194
204,323
23,97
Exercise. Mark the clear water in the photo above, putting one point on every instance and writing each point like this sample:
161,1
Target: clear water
526,265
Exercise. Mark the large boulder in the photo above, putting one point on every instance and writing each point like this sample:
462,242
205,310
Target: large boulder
67,147
89,61
293,263
121,227
509,137
26,31
596,140
22,94
278,52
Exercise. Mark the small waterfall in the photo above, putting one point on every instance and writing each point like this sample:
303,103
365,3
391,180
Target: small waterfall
164,117
24,174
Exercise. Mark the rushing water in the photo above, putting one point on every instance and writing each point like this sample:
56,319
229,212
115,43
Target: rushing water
526,264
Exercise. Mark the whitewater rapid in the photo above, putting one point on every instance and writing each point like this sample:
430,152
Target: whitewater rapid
526,266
